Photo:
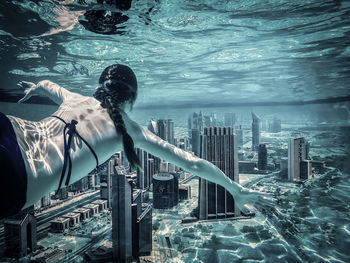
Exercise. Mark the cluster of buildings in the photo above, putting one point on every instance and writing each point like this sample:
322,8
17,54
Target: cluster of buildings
161,185
73,219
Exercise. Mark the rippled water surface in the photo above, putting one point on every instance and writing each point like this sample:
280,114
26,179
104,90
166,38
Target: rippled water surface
186,52
212,54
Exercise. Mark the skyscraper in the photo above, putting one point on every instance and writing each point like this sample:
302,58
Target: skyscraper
213,119
239,136
121,217
170,131
217,145
195,141
143,176
255,132
200,121
296,154
275,125
207,121
189,124
152,126
262,157
162,129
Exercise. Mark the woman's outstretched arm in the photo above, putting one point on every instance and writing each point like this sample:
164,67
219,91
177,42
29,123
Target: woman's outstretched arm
46,88
202,168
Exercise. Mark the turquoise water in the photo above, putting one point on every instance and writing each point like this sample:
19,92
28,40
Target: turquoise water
217,56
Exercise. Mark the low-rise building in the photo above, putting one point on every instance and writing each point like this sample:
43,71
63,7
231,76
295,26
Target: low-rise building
84,213
59,225
101,203
93,208
74,219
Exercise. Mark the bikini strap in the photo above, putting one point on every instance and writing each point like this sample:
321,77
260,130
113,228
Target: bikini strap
70,129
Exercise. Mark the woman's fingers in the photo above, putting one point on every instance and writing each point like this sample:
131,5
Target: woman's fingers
28,87
26,84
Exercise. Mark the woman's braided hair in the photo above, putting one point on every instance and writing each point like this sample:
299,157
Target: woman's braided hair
118,85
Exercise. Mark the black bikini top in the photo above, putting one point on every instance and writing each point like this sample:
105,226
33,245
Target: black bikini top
70,130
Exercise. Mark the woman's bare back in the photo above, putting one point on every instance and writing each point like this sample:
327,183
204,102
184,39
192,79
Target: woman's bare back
42,144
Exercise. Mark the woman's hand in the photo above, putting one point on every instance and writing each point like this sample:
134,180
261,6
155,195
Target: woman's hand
30,90
251,197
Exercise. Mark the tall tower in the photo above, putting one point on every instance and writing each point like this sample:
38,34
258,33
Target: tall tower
195,141
218,146
170,131
296,154
143,178
262,157
189,124
121,217
152,126
200,121
239,136
162,129
255,132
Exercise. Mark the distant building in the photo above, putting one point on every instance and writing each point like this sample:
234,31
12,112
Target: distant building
213,119
91,181
153,127
239,136
247,167
195,141
81,185
183,143
189,125
262,157
170,131
297,153
264,125
45,200
218,146
207,121
162,129
62,193
275,125
229,119
197,121
255,132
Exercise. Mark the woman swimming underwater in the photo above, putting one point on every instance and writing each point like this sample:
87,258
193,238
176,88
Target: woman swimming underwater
85,130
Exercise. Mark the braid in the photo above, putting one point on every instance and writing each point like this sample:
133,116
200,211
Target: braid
119,124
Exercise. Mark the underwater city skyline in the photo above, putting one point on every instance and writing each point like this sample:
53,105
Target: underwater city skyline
261,89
